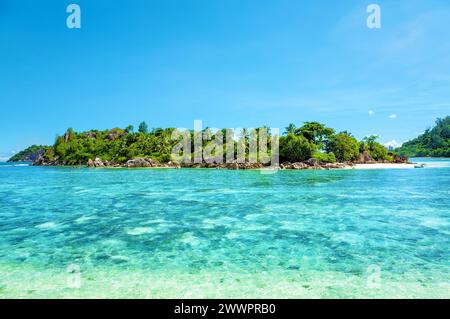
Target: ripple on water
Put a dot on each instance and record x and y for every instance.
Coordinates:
(84, 219)
(47, 225)
(139, 231)
(157, 221)
(120, 258)
(434, 222)
(190, 239)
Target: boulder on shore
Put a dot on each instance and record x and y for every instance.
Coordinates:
(173, 164)
(42, 161)
(364, 158)
(97, 162)
(399, 158)
(246, 165)
(141, 162)
(314, 165)
(299, 165)
(296, 165)
(335, 165)
(312, 162)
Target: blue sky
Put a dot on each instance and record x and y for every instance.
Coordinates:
(230, 63)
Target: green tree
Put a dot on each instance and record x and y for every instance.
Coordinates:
(378, 152)
(290, 129)
(344, 146)
(375, 149)
(295, 148)
(143, 128)
(70, 135)
(325, 157)
(315, 132)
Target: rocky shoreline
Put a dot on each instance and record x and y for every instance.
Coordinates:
(311, 164)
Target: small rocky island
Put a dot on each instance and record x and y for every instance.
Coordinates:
(30, 154)
(312, 146)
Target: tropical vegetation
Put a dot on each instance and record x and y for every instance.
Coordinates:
(311, 140)
(29, 154)
(434, 142)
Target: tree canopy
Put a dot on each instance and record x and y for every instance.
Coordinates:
(143, 128)
(375, 149)
(295, 148)
(310, 140)
(29, 154)
(344, 146)
(434, 142)
(315, 132)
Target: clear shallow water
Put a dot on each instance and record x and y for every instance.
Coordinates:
(216, 233)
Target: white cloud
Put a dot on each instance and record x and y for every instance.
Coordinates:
(393, 116)
(371, 112)
(392, 144)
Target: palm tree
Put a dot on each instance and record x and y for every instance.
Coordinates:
(290, 129)
(143, 128)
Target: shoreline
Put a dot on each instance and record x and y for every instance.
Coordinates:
(385, 166)
(249, 166)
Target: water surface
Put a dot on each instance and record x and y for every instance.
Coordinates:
(160, 233)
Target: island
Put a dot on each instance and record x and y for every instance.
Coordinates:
(312, 145)
(30, 154)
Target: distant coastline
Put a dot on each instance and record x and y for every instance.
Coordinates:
(434, 142)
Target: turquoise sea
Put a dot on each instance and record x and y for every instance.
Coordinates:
(162, 233)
